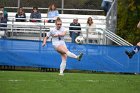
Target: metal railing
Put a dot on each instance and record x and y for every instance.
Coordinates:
(101, 34)
(105, 35)
(62, 9)
(115, 38)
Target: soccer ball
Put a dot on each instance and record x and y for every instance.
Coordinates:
(79, 40)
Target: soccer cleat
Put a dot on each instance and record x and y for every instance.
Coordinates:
(129, 54)
(80, 56)
(61, 74)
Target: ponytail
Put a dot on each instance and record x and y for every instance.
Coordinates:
(58, 19)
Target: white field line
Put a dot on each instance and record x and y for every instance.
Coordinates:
(93, 81)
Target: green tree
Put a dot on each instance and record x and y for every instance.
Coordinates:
(128, 18)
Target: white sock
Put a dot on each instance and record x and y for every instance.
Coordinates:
(62, 66)
(136, 50)
(70, 54)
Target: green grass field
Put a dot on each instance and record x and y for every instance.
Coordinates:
(51, 82)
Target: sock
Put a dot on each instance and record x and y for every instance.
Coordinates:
(70, 54)
(62, 66)
(136, 49)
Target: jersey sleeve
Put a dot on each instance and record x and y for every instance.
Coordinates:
(48, 34)
(51, 32)
(64, 29)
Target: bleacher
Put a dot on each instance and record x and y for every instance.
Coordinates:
(36, 27)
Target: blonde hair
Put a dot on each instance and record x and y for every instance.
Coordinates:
(58, 19)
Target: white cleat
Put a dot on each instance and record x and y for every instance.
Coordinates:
(61, 74)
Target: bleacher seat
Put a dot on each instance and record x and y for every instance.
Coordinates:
(98, 20)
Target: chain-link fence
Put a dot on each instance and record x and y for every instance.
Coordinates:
(64, 6)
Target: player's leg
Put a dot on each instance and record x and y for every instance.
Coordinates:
(137, 48)
(63, 63)
(134, 51)
(62, 49)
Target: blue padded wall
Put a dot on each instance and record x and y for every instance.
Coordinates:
(96, 57)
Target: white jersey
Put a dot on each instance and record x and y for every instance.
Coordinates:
(56, 41)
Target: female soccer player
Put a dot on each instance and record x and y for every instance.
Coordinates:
(58, 33)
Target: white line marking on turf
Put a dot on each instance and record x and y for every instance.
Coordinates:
(15, 80)
(12, 80)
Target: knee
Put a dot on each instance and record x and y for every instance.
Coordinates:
(65, 58)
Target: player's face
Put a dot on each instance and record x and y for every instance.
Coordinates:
(58, 24)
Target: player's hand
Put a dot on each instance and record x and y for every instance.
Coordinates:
(43, 44)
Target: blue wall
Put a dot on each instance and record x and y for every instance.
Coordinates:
(96, 57)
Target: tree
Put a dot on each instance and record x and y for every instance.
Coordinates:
(128, 18)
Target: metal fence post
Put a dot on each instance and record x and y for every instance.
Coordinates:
(12, 27)
(40, 33)
(62, 6)
(18, 3)
(87, 36)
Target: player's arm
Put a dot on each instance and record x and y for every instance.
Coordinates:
(63, 33)
(45, 39)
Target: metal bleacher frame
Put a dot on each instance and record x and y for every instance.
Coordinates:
(16, 28)
(105, 27)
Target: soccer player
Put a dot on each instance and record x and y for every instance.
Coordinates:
(58, 33)
(134, 51)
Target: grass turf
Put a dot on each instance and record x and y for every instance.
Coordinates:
(51, 82)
